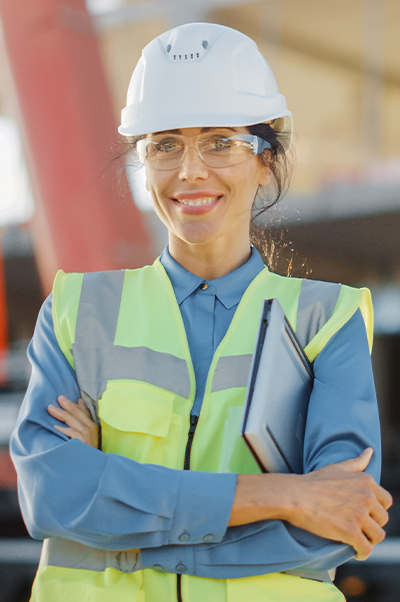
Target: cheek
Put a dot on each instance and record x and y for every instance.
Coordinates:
(152, 180)
(157, 183)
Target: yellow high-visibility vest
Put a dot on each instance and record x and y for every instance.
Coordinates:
(124, 335)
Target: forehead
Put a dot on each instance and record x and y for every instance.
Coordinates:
(193, 132)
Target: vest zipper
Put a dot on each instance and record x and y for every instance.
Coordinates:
(186, 466)
(193, 424)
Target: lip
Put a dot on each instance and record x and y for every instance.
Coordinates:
(195, 195)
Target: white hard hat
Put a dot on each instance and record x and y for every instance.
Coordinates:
(203, 75)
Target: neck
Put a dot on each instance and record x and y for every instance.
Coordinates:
(209, 261)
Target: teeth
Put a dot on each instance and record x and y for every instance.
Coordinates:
(197, 202)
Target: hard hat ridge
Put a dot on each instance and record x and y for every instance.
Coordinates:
(203, 75)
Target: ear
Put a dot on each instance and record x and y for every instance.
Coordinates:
(265, 170)
(266, 176)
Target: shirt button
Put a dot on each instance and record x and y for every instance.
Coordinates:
(208, 537)
(181, 567)
(158, 566)
(184, 537)
(204, 286)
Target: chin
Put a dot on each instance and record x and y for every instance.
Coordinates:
(198, 235)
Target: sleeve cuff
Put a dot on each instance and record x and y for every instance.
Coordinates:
(204, 507)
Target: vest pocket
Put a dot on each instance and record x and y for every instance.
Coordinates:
(137, 421)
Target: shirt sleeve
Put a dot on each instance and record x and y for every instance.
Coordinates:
(71, 490)
(342, 421)
(107, 501)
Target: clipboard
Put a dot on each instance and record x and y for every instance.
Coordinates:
(278, 393)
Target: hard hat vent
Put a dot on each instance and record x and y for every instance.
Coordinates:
(186, 57)
(185, 46)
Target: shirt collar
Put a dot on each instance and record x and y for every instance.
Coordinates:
(184, 283)
(229, 288)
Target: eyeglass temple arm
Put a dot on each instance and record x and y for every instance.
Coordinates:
(259, 145)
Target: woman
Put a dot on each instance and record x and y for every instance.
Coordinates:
(172, 506)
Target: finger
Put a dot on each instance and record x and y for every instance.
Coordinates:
(62, 398)
(84, 407)
(362, 555)
(379, 515)
(362, 546)
(358, 464)
(76, 422)
(71, 433)
(58, 413)
(373, 532)
(76, 410)
(384, 497)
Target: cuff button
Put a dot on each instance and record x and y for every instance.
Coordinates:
(181, 568)
(208, 537)
(184, 537)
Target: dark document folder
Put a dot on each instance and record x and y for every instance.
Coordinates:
(278, 393)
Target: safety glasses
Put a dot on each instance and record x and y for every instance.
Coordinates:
(167, 151)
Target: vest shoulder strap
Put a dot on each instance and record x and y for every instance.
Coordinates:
(66, 296)
(324, 307)
(86, 312)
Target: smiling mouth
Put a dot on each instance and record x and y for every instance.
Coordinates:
(197, 202)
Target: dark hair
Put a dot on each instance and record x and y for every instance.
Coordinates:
(266, 241)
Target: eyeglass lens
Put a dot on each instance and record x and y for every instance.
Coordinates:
(215, 151)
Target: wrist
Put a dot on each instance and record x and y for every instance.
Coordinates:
(262, 497)
(292, 506)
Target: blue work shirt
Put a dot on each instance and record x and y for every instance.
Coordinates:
(207, 308)
(107, 501)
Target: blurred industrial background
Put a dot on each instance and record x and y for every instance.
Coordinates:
(66, 201)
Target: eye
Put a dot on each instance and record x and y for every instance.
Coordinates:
(165, 146)
(218, 143)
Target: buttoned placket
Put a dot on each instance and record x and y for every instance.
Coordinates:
(203, 331)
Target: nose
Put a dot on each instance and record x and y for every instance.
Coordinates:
(192, 167)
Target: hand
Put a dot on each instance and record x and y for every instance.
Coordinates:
(78, 420)
(343, 503)
(339, 502)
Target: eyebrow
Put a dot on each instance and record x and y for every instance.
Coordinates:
(203, 130)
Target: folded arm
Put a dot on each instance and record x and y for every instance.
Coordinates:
(77, 485)
(72, 490)
(341, 503)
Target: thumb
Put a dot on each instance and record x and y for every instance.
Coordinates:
(358, 464)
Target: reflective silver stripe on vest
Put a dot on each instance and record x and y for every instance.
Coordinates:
(317, 301)
(323, 576)
(68, 554)
(98, 360)
(231, 371)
